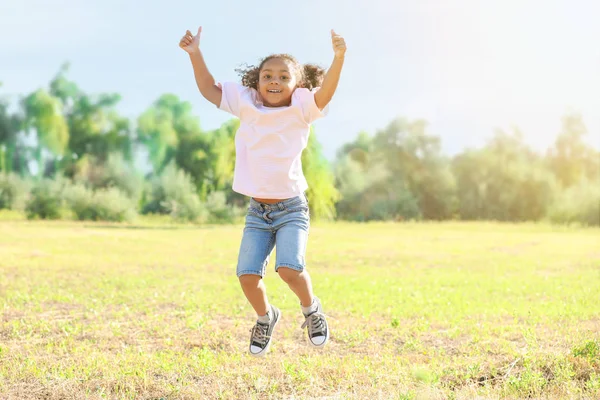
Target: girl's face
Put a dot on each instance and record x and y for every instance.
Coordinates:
(277, 82)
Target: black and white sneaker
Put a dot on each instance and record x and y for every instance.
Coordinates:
(318, 332)
(260, 339)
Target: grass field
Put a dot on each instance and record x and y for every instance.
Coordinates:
(432, 311)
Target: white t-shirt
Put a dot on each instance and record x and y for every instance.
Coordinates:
(269, 141)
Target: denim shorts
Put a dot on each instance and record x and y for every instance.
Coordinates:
(284, 225)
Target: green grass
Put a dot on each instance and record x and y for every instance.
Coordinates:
(417, 310)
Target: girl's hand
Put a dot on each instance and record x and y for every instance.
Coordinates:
(190, 43)
(339, 45)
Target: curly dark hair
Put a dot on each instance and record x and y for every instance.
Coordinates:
(308, 76)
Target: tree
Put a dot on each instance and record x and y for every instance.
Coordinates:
(504, 181)
(321, 192)
(166, 123)
(414, 157)
(570, 159)
(11, 151)
(368, 187)
(358, 150)
(43, 113)
(96, 130)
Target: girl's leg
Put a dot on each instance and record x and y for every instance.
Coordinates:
(255, 250)
(299, 282)
(257, 243)
(256, 293)
(292, 239)
(268, 315)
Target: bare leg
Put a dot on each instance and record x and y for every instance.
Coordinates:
(299, 282)
(256, 293)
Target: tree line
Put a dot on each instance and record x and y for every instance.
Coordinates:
(65, 153)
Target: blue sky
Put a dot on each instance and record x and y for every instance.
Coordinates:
(467, 66)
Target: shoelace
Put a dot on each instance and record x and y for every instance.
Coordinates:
(315, 323)
(259, 333)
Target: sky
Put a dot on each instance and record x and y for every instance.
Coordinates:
(468, 67)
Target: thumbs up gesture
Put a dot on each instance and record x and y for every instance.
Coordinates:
(189, 42)
(339, 45)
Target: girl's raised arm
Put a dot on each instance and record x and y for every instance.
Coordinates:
(204, 79)
(325, 93)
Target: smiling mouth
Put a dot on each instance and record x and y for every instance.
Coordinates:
(274, 91)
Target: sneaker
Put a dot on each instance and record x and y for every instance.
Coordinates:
(260, 340)
(318, 333)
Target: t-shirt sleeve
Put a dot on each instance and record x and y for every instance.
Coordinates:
(305, 99)
(231, 98)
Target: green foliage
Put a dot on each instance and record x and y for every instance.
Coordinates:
(115, 172)
(359, 149)
(504, 181)
(530, 383)
(223, 155)
(44, 113)
(46, 201)
(571, 159)
(81, 201)
(112, 205)
(321, 193)
(399, 173)
(219, 210)
(11, 154)
(100, 205)
(372, 194)
(161, 128)
(414, 156)
(95, 127)
(174, 193)
(589, 349)
(209, 158)
(351, 182)
(14, 191)
(578, 204)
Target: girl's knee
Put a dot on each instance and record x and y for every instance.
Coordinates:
(249, 280)
(288, 274)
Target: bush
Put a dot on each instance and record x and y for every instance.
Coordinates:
(174, 193)
(373, 195)
(491, 188)
(113, 205)
(46, 199)
(14, 192)
(102, 205)
(322, 193)
(119, 174)
(219, 210)
(578, 204)
(81, 201)
(115, 172)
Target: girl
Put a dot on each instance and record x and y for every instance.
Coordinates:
(276, 103)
